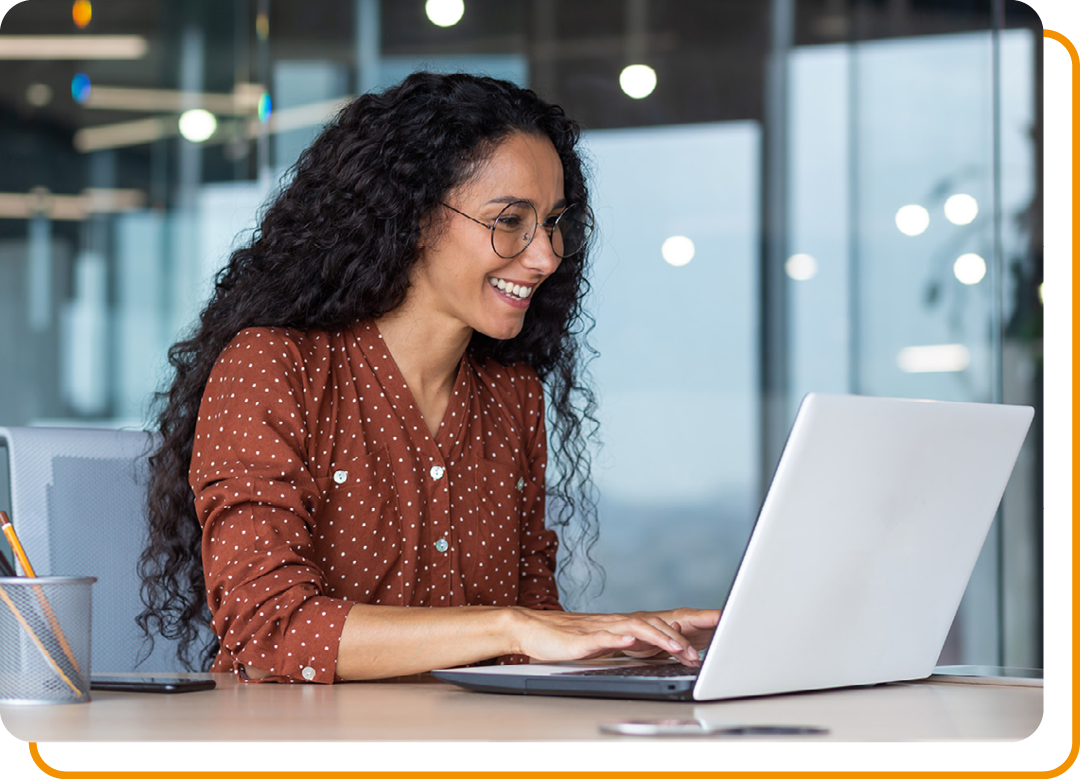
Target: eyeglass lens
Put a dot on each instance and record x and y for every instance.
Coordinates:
(516, 226)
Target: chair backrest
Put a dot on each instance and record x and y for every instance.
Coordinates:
(78, 505)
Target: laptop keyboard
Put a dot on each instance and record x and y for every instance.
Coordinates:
(668, 669)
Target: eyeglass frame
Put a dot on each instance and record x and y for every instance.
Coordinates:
(549, 228)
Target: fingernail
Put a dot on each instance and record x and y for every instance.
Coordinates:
(675, 645)
(693, 653)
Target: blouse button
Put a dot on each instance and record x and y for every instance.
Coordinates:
(340, 477)
(437, 472)
(309, 673)
(441, 545)
(520, 485)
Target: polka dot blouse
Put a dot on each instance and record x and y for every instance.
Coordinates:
(318, 485)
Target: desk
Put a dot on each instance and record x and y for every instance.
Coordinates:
(425, 709)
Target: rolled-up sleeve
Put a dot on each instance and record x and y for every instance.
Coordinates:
(256, 500)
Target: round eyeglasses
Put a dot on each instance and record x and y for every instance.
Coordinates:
(515, 227)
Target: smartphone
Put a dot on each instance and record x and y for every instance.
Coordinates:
(149, 684)
(693, 727)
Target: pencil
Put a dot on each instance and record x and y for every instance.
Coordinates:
(48, 655)
(28, 570)
(16, 547)
(6, 568)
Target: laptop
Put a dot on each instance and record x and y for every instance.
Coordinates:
(856, 565)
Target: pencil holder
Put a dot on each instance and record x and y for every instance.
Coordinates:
(45, 639)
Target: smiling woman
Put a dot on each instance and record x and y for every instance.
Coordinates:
(353, 468)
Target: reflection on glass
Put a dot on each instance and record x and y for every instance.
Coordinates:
(80, 87)
(912, 220)
(677, 250)
(81, 12)
(801, 267)
(969, 268)
(961, 209)
(942, 358)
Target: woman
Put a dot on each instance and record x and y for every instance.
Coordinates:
(360, 414)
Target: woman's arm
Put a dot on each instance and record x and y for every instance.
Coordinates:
(381, 641)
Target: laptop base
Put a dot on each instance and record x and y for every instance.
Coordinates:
(577, 687)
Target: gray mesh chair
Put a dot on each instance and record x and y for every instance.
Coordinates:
(77, 503)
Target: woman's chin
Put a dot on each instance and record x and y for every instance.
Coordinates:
(502, 331)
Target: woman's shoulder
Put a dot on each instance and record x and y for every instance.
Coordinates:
(282, 345)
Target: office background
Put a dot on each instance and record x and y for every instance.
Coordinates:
(792, 195)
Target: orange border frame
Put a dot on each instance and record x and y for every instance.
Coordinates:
(1062, 64)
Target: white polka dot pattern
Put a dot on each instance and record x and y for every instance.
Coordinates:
(313, 473)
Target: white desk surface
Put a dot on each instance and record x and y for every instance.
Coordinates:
(423, 708)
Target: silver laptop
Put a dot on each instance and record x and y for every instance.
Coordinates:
(855, 569)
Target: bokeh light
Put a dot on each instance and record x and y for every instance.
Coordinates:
(81, 13)
(801, 267)
(961, 209)
(265, 107)
(197, 125)
(912, 220)
(969, 268)
(939, 358)
(80, 87)
(637, 81)
(262, 26)
(444, 13)
(39, 95)
(677, 250)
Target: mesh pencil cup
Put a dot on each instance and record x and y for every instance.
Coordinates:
(45, 639)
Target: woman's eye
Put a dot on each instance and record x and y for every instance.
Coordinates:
(510, 222)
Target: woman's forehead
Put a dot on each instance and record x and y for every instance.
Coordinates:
(523, 166)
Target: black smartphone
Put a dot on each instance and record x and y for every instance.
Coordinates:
(149, 684)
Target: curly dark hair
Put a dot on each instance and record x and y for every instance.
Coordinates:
(336, 247)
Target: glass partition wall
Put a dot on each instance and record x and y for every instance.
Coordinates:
(795, 195)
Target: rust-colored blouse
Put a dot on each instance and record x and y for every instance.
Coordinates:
(318, 485)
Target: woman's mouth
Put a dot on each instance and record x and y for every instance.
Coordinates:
(511, 290)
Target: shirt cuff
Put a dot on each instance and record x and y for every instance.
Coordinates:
(305, 650)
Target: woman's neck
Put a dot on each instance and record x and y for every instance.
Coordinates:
(427, 351)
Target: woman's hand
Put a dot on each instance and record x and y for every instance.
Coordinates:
(551, 636)
(695, 625)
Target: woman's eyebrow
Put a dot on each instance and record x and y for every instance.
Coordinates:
(507, 199)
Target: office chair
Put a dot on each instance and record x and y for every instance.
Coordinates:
(77, 504)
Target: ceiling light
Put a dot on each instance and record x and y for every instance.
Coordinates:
(115, 136)
(20, 205)
(72, 47)
(444, 13)
(637, 81)
(197, 125)
(239, 102)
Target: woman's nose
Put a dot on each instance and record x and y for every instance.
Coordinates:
(540, 254)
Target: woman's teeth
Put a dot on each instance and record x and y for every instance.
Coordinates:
(516, 290)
